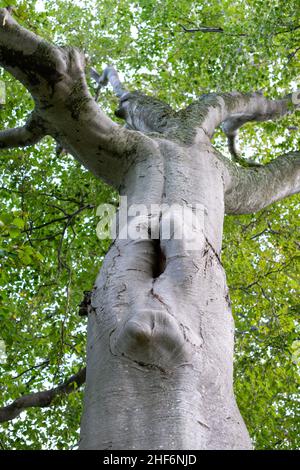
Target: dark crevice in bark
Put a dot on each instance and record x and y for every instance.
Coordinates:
(159, 264)
(85, 307)
(208, 248)
(147, 365)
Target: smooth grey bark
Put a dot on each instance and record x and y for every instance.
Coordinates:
(160, 334)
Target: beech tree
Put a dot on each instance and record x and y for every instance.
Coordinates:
(160, 336)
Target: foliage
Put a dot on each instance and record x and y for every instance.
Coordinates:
(49, 252)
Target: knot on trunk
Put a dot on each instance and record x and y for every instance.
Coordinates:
(152, 338)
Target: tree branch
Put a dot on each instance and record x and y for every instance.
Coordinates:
(28, 57)
(251, 189)
(42, 399)
(29, 134)
(42, 364)
(230, 127)
(202, 29)
(109, 75)
(215, 29)
(55, 76)
(141, 112)
(262, 111)
(232, 110)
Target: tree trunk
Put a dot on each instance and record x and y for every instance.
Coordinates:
(160, 344)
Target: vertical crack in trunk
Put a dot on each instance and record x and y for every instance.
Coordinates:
(159, 264)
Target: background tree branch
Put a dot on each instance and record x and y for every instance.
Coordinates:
(42, 399)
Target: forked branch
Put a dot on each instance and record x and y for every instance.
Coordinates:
(232, 111)
(55, 77)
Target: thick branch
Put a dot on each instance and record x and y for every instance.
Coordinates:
(232, 110)
(251, 189)
(141, 112)
(29, 134)
(28, 57)
(42, 399)
(55, 77)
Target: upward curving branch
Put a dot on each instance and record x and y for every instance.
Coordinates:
(232, 110)
(141, 112)
(252, 189)
(55, 77)
(42, 399)
(32, 60)
(109, 75)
